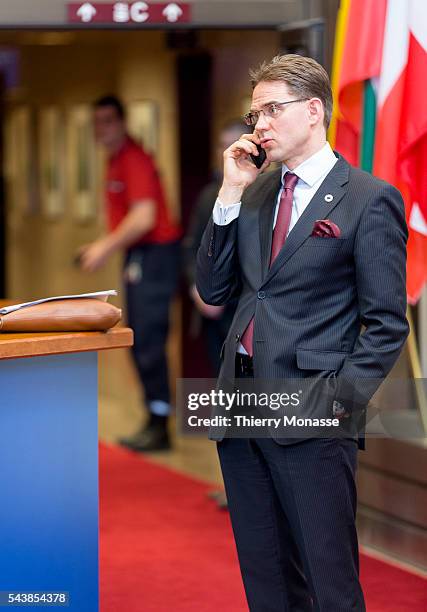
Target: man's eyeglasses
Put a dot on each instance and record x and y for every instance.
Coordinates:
(271, 111)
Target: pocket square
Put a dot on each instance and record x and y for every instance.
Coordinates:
(323, 228)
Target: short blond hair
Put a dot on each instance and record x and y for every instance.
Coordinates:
(303, 75)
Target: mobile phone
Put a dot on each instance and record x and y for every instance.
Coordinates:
(260, 158)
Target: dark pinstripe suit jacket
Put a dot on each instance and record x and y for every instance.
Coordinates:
(309, 306)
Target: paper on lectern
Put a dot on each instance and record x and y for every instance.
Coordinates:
(99, 295)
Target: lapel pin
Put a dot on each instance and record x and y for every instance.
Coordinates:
(329, 197)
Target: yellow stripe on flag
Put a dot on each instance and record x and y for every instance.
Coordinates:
(340, 35)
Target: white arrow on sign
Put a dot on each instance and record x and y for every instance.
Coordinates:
(172, 12)
(86, 12)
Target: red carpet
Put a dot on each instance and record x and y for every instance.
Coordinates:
(164, 547)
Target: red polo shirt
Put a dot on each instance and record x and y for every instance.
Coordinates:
(132, 177)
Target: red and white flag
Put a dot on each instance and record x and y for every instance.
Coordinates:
(381, 50)
(412, 155)
(401, 132)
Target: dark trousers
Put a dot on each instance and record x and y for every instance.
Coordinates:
(293, 511)
(151, 275)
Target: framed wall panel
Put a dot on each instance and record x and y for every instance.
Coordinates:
(52, 161)
(82, 163)
(143, 124)
(21, 160)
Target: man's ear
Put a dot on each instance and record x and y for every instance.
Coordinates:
(315, 111)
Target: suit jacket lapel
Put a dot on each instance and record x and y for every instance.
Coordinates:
(318, 208)
(266, 218)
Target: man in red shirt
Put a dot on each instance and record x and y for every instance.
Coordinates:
(140, 225)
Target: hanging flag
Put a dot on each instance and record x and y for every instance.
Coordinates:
(357, 60)
(412, 154)
(380, 116)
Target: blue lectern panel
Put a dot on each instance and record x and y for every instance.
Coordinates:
(49, 478)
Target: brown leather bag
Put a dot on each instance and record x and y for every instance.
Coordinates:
(77, 314)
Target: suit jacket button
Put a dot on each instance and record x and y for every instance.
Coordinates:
(261, 295)
(237, 337)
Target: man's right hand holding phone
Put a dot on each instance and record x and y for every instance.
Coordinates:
(240, 170)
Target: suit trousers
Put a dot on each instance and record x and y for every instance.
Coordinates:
(151, 275)
(293, 510)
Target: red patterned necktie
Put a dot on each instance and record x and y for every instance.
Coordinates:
(279, 236)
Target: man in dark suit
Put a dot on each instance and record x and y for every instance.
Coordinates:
(313, 251)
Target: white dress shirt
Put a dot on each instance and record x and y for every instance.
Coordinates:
(311, 174)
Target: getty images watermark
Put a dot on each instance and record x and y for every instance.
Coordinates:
(299, 408)
(250, 400)
(250, 409)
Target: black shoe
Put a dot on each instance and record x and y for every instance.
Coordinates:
(214, 494)
(151, 438)
(219, 497)
(221, 501)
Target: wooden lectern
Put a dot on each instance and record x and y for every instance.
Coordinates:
(49, 464)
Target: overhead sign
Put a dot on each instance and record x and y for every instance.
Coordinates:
(128, 13)
(84, 14)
